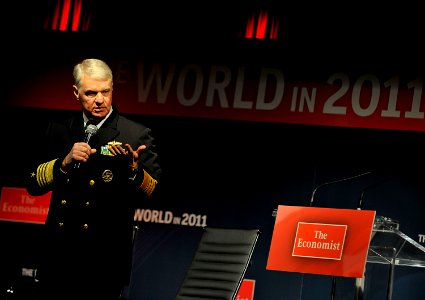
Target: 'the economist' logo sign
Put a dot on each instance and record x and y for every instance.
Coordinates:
(16, 205)
(318, 240)
(246, 290)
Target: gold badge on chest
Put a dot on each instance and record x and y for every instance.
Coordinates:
(107, 175)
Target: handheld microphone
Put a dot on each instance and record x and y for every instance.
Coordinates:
(90, 131)
(335, 181)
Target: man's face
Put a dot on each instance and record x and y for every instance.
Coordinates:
(95, 97)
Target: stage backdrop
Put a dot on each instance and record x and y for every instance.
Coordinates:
(235, 174)
(241, 128)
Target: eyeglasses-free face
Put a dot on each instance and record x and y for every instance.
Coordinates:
(95, 97)
(94, 94)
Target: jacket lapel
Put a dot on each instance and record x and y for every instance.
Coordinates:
(108, 132)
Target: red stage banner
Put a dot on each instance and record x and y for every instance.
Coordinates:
(17, 205)
(327, 241)
(261, 94)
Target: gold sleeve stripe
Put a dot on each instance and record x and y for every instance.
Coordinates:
(45, 173)
(148, 184)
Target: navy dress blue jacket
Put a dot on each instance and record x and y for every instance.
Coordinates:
(89, 227)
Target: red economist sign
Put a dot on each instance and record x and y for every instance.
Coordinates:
(17, 205)
(319, 240)
(246, 290)
(325, 241)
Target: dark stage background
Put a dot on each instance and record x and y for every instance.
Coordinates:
(233, 173)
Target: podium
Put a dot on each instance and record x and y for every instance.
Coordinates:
(320, 240)
(368, 243)
(391, 247)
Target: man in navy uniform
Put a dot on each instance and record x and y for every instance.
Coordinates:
(99, 166)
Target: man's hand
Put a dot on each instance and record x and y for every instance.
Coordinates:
(80, 152)
(132, 155)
